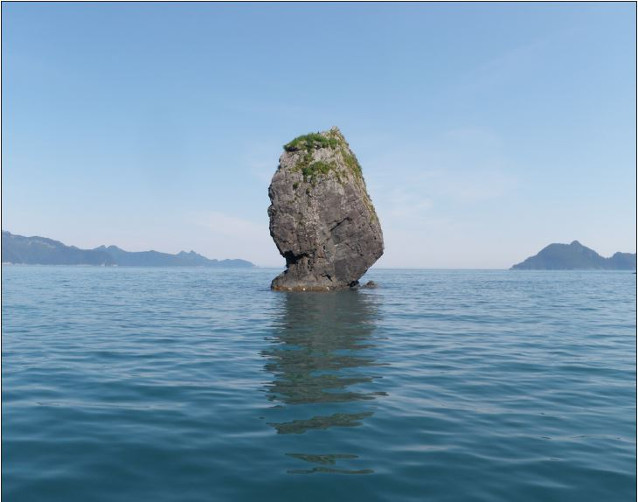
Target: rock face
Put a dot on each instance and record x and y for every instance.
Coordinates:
(321, 216)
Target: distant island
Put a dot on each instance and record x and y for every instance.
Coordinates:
(17, 249)
(575, 256)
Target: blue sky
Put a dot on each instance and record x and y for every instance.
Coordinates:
(485, 131)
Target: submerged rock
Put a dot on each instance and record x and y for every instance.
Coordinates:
(321, 216)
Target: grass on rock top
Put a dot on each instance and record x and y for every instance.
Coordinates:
(334, 140)
(312, 141)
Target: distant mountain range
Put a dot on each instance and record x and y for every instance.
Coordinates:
(43, 251)
(575, 256)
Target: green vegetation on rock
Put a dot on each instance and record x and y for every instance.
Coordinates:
(306, 144)
(313, 170)
(312, 141)
(351, 161)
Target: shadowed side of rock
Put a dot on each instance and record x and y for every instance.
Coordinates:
(321, 216)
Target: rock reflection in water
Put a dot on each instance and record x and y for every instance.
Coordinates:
(322, 359)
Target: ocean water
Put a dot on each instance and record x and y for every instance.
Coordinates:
(130, 384)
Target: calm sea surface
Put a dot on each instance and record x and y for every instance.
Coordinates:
(129, 384)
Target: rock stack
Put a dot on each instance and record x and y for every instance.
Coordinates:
(321, 216)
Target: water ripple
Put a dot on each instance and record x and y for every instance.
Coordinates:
(199, 385)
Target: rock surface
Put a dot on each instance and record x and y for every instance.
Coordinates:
(321, 216)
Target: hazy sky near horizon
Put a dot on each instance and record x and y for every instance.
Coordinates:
(485, 130)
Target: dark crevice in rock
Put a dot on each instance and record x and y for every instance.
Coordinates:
(291, 258)
(339, 224)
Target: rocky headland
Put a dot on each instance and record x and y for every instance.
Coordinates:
(575, 256)
(321, 216)
(17, 249)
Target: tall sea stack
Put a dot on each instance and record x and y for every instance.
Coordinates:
(321, 216)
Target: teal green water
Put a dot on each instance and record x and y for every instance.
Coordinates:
(203, 385)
